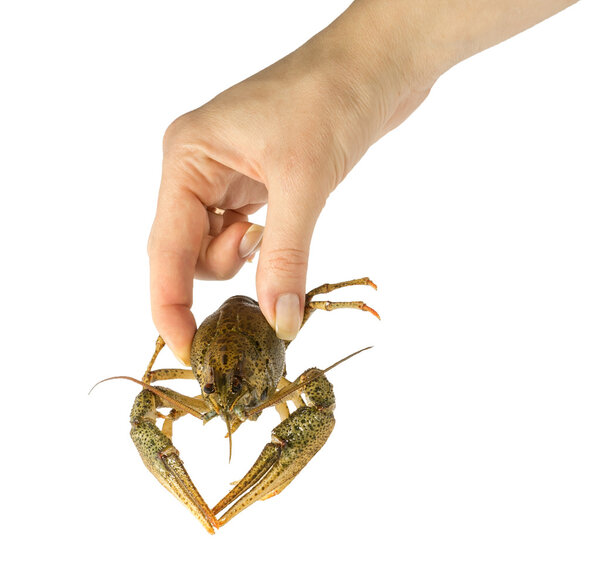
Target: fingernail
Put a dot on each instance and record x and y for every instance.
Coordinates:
(182, 357)
(250, 241)
(181, 360)
(287, 316)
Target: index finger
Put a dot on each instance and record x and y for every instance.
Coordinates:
(178, 233)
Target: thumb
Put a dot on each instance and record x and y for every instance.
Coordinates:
(283, 262)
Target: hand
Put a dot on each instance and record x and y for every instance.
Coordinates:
(287, 137)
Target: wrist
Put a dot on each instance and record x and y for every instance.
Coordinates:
(368, 62)
(394, 41)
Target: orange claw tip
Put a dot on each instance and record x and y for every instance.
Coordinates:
(370, 283)
(221, 521)
(210, 524)
(206, 517)
(371, 310)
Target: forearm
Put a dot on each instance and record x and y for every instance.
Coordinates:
(387, 54)
(424, 38)
(450, 31)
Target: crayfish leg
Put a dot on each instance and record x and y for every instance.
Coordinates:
(310, 305)
(329, 287)
(162, 459)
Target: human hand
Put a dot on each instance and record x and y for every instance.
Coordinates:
(287, 137)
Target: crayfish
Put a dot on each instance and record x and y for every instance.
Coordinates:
(239, 363)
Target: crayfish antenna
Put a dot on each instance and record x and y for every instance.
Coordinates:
(347, 357)
(227, 422)
(296, 385)
(117, 377)
(156, 391)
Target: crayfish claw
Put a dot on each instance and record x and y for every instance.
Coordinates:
(162, 459)
(295, 441)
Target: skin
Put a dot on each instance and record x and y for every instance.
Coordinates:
(288, 135)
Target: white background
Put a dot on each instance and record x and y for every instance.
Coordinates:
(467, 440)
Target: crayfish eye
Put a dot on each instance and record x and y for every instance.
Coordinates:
(209, 388)
(236, 384)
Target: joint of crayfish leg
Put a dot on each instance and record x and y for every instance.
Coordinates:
(208, 416)
(278, 441)
(168, 452)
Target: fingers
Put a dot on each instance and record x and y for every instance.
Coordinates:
(177, 234)
(281, 275)
(180, 249)
(224, 255)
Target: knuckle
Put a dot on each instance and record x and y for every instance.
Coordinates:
(175, 130)
(185, 130)
(152, 245)
(289, 261)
